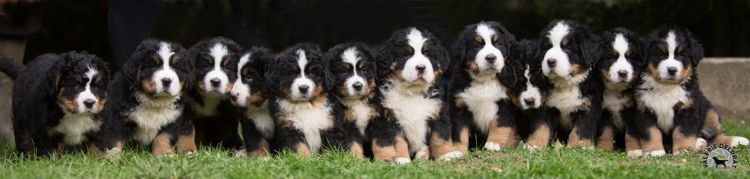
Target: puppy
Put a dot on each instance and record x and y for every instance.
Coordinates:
(148, 101)
(354, 71)
(619, 67)
(410, 65)
(249, 93)
(671, 106)
(298, 80)
(56, 99)
(528, 91)
(214, 62)
(575, 94)
(478, 100)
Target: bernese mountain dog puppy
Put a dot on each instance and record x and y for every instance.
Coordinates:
(410, 65)
(147, 101)
(299, 80)
(527, 92)
(214, 69)
(477, 97)
(56, 100)
(354, 71)
(672, 108)
(619, 67)
(575, 95)
(249, 93)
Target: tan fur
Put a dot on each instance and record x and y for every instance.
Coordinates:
(402, 147)
(383, 153)
(682, 142)
(463, 141)
(540, 137)
(654, 142)
(576, 141)
(302, 149)
(161, 145)
(356, 150)
(186, 143)
(576, 69)
(686, 72)
(69, 104)
(713, 123)
(606, 140)
(653, 71)
(605, 74)
(262, 150)
(631, 143)
(148, 86)
(439, 146)
(505, 136)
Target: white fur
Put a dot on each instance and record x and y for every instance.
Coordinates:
(480, 98)
(74, 127)
(217, 52)
(700, 143)
(451, 155)
(621, 46)
(491, 146)
(634, 153)
(262, 119)
(362, 112)
(484, 31)
(556, 36)
(402, 160)
(531, 92)
(567, 99)
(87, 94)
(655, 153)
(166, 72)
(423, 153)
(240, 89)
(310, 120)
(410, 73)
(670, 61)
(302, 79)
(737, 140)
(412, 110)
(615, 102)
(661, 99)
(351, 56)
(151, 115)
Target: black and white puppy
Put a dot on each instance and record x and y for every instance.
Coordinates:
(672, 108)
(214, 61)
(575, 94)
(55, 100)
(410, 65)
(619, 67)
(147, 101)
(250, 93)
(478, 100)
(528, 91)
(298, 80)
(354, 71)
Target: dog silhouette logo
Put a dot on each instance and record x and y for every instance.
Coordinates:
(719, 156)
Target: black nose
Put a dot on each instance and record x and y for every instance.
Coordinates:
(622, 74)
(357, 86)
(552, 62)
(166, 81)
(490, 58)
(529, 101)
(672, 70)
(420, 68)
(303, 89)
(89, 103)
(215, 82)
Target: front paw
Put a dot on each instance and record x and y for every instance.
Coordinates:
(655, 153)
(423, 154)
(737, 140)
(635, 153)
(491, 146)
(451, 155)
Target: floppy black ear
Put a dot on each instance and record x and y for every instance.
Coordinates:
(695, 49)
(591, 49)
(384, 56)
(458, 50)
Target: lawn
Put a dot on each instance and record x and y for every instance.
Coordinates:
(558, 162)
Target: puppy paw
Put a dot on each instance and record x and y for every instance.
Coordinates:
(530, 148)
(491, 146)
(240, 153)
(737, 140)
(451, 155)
(700, 143)
(634, 153)
(423, 154)
(656, 153)
(402, 160)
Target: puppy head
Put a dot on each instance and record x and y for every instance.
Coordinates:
(82, 83)
(412, 56)
(672, 54)
(621, 58)
(249, 86)
(483, 48)
(354, 70)
(528, 86)
(158, 69)
(214, 61)
(299, 74)
(570, 51)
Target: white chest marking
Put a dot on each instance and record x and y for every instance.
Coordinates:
(151, 116)
(480, 98)
(412, 110)
(615, 103)
(74, 127)
(567, 99)
(661, 100)
(261, 118)
(310, 120)
(362, 113)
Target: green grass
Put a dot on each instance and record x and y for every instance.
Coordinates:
(558, 162)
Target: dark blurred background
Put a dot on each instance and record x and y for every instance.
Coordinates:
(723, 26)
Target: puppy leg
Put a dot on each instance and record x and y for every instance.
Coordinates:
(356, 149)
(653, 146)
(540, 136)
(402, 150)
(606, 139)
(712, 127)
(186, 143)
(632, 145)
(384, 150)
(682, 141)
(162, 145)
(499, 136)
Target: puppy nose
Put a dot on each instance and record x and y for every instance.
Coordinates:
(420, 68)
(552, 62)
(529, 101)
(622, 74)
(490, 58)
(215, 82)
(303, 88)
(166, 81)
(672, 70)
(357, 86)
(89, 103)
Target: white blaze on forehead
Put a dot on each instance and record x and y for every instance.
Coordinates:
(557, 34)
(416, 40)
(484, 31)
(165, 52)
(670, 61)
(409, 73)
(166, 72)
(301, 61)
(351, 56)
(671, 43)
(302, 79)
(555, 37)
(240, 90)
(620, 45)
(218, 51)
(86, 94)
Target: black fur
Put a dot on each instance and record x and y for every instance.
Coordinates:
(530, 118)
(252, 75)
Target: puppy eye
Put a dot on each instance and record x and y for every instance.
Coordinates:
(565, 42)
(173, 60)
(495, 38)
(225, 61)
(663, 48)
(479, 39)
(313, 70)
(347, 67)
(98, 80)
(409, 49)
(426, 48)
(614, 53)
(156, 59)
(680, 48)
(245, 71)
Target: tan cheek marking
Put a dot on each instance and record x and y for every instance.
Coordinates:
(652, 71)
(654, 142)
(255, 97)
(605, 74)
(69, 104)
(540, 137)
(100, 104)
(356, 150)
(686, 72)
(228, 87)
(516, 100)
(503, 135)
(605, 141)
(472, 66)
(576, 69)
(161, 145)
(148, 86)
(186, 143)
(682, 142)
(383, 153)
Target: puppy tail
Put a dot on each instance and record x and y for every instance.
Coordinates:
(10, 67)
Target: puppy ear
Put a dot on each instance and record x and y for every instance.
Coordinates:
(384, 57)
(458, 50)
(694, 49)
(591, 49)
